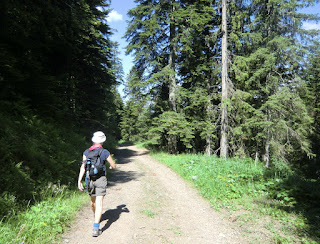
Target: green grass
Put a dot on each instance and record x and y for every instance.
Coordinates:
(34, 151)
(249, 192)
(148, 213)
(217, 179)
(43, 222)
(141, 145)
(39, 155)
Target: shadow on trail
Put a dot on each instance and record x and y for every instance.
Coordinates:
(119, 177)
(124, 156)
(112, 215)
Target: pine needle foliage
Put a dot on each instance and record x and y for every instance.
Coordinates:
(268, 60)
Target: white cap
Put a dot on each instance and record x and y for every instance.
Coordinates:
(98, 137)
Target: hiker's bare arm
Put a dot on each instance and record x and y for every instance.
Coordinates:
(81, 174)
(111, 162)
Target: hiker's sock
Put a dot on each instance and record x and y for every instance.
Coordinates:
(96, 232)
(96, 225)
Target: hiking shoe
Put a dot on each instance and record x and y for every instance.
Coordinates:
(96, 232)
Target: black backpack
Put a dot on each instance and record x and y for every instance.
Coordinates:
(94, 165)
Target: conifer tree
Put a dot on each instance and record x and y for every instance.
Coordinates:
(266, 51)
(273, 63)
(59, 54)
(151, 35)
(314, 101)
(198, 69)
(224, 82)
(116, 63)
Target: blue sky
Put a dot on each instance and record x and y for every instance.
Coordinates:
(118, 18)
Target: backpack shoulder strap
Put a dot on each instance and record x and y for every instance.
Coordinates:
(96, 152)
(100, 151)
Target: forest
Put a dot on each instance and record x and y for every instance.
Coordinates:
(58, 85)
(235, 79)
(272, 97)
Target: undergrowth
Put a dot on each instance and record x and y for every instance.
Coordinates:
(45, 221)
(34, 152)
(248, 192)
(40, 160)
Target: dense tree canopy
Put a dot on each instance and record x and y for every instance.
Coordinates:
(58, 75)
(269, 57)
(59, 56)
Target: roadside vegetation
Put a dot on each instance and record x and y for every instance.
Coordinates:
(46, 220)
(276, 204)
(39, 170)
(52, 79)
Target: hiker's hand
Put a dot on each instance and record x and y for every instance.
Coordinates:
(111, 162)
(80, 186)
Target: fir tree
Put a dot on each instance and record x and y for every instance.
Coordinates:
(313, 100)
(272, 64)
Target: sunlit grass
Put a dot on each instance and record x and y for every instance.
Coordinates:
(217, 179)
(245, 190)
(43, 222)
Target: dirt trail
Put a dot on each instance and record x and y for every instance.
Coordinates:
(148, 203)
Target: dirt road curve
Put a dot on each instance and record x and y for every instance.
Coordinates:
(147, 203)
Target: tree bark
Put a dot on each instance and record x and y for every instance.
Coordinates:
(266, 156)
(209, 111)
(208, 144)
(224, 84)
(172, 142)
(172, 78)
(256, 158)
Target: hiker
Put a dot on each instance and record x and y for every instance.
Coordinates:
(97, 182)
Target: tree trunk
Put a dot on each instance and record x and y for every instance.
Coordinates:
(266, 156)
(224, 82)
(208, 144)
(210, 112)
(256, 158)
(172, 78)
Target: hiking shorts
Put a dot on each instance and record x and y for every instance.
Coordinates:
(98, 187)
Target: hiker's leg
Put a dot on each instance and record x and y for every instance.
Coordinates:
(99, 206)
(93, 204)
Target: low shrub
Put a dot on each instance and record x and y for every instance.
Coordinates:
(45, 221)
